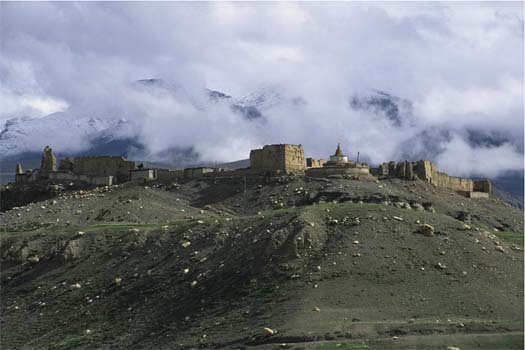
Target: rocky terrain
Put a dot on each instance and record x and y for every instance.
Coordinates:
(261, 263)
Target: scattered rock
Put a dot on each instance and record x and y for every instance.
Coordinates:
(75, 286)
(268, 331)
(499, 248)
(33, 259)
(398, 218)
(426, 230)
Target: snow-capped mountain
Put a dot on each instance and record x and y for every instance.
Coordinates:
(79, 132)
(68, 129)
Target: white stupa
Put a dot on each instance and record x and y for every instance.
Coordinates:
(338, 157)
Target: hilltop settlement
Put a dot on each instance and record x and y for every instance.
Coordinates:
(271, 160)
(288, 253)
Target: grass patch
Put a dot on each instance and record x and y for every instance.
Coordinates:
(342, 346)
(511, 237)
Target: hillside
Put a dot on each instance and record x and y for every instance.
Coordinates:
(323, 263)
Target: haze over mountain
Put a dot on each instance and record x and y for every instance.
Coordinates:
(438, 81)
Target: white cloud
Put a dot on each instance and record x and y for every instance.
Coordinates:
(461, 159)
(460, 63)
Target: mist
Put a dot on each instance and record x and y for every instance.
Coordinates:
(459, 66)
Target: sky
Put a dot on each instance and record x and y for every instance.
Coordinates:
(459, 64)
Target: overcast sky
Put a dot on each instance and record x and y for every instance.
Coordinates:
(460, 64)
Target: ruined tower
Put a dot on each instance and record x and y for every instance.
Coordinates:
(19, 169)
(49, 162)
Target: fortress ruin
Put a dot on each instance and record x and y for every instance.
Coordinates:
(270, 160)
(103, 170)
(427, 171)
(281, 158)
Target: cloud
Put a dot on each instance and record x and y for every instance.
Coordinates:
(464, 160)
(460, 64)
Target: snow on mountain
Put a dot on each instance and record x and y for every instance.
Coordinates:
(67, 131)
(263, 98)
(75, 131)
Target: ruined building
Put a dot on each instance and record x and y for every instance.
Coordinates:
(283, 158)
(270, 160)
(48, 163)
(427, 171)
(92, 170)
(117, 167)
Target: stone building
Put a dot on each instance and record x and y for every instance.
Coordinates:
(314, 163)
(282, 158)
(48, 171)
(118, 167)
(339, 165)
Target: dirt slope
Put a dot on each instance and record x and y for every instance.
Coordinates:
(324, 264)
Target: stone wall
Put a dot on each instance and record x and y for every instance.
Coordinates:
(118, 167)
(192, 173)
(338, 170)
(482, 186)
(93, 180)
(143, 174)
(427, 171)
(169, 175)
(315, 163)
(278, 158)
(456, 183)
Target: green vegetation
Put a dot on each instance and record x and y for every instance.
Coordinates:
(511, 237)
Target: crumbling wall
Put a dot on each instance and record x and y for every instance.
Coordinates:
(482, 186)
(427, 171)
(118, 167)
(423, 169)
(48, 163)
(452, 182)
(143, 174)
(168, 175)
(93, 180)
(294, 158)
(315, 163)
(66, 164)
(286, 158)
(192, 173)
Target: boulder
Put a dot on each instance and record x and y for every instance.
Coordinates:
(426, 230)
